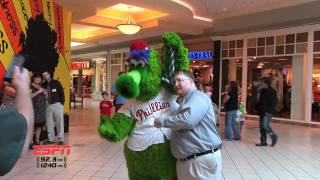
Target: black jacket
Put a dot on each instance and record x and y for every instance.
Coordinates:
(232, 103)
(267, 101)
(56, 92)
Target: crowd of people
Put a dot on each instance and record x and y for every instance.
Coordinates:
(47, 98)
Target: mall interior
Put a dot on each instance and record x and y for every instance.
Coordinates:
(227, 40)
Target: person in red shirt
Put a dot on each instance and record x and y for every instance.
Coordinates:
(105, 105)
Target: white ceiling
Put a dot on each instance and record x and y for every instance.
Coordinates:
(181, 18)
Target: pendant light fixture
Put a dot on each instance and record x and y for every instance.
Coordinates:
(129, 26)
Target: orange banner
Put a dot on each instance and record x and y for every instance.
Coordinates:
(36, 7)
(23, 11)
(11, 23)
(58, 13)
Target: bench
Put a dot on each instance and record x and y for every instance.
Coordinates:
(76, 100)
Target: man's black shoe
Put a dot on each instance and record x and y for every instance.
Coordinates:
(274, 139)
(262, 144)
(60, 143)
(49, 142)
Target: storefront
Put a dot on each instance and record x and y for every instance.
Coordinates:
(291, 57)
(105, 70)
(201, 64)
(81, 77)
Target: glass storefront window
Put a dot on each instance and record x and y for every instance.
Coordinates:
(315, 116)
(280, 69)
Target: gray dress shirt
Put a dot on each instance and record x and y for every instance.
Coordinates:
(194, 125)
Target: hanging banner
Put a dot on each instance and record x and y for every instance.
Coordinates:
(42, 30)
(36, 7)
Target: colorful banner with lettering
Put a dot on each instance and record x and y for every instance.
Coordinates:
(25, 26)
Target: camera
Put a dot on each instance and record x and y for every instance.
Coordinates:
(17, 60)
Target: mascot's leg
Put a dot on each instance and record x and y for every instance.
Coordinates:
(154, 163)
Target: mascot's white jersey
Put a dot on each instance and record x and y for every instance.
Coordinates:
(144, 134)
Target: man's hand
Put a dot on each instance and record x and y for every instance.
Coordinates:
(157, 123)
(20, 79)
(23, 103)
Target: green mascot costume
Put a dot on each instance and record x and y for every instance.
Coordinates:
(148, 86)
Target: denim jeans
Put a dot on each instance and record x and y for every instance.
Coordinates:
(264, 126)
(231, 126)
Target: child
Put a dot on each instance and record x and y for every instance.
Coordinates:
(105, 105)
(241, 116)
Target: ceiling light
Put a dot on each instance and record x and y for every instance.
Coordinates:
(224, 9)
(129, 26)
(76, 44)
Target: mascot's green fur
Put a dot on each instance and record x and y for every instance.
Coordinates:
(149, 86)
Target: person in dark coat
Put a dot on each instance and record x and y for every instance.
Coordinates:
(265, 108)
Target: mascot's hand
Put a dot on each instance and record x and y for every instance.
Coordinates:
(116, 128)
(106, 129)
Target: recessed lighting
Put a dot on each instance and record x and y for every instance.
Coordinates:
(76, 44)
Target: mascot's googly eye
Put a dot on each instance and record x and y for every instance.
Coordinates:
(133, 62)
(141, 64)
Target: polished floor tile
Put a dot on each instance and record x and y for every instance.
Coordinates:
(296, 156)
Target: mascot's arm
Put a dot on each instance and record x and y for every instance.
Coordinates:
(115, 128)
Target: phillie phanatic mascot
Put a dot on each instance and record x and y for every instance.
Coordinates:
(148, 85)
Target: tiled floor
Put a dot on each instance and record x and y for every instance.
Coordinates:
(296, 156)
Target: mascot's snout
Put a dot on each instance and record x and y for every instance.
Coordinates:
(128, 84)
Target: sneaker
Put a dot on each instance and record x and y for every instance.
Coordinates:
(274, 139)
(262, 144)
(60, 143)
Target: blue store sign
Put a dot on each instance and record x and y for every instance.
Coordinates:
(201, 55)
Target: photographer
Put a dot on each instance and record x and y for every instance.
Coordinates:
(16, 123)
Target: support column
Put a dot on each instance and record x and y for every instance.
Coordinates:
(80, 88)
(308, 78)
(216, 72)
(244, 74)
(108, 71)
(298, 102)
(97, 79)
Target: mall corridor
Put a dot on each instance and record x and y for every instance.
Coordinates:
(296, 156)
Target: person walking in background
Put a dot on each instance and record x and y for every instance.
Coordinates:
(105, 105)
(195, 140)
(54, 113)
(39, 101)
(118, 99)
(265, 108)
(230, 100)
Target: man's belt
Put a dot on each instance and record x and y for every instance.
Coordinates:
(199, 154)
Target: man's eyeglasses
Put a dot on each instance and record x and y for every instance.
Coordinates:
(180, 80)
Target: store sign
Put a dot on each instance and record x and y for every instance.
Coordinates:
(201, 55)
(80, 65)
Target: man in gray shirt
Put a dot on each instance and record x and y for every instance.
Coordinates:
(195, 141)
